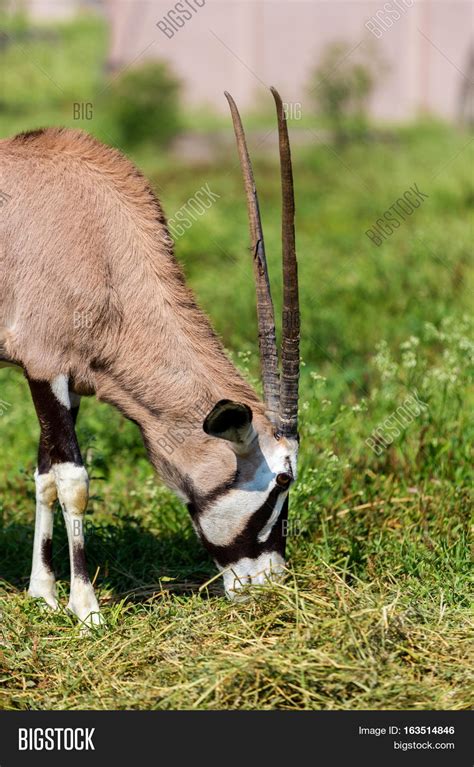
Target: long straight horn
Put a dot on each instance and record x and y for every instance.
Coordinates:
(265, 313)
(290, 347)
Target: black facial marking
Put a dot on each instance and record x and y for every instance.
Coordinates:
(246, 544)
(201, 501)
(74, 414)
(47, 553)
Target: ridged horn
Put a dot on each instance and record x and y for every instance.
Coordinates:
(265, 312)
(290, 347)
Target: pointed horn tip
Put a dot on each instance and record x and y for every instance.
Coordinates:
(275, 94)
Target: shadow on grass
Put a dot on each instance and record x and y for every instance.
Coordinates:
(124, 558)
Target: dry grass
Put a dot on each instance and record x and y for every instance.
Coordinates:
(313, 642)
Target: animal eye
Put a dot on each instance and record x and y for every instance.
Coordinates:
(283, 479)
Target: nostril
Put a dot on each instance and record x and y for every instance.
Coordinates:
(283, 479)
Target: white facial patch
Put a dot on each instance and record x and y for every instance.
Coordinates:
(222, 522)
(266, 568)
(60, 389)
(225, 519)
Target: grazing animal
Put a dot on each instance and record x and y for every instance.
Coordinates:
(83, 236)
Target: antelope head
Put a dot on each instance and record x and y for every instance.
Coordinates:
(243, 522)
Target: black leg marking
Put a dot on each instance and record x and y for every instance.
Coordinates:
(47, 553)
(58, 442)
(79, 562)
(44, 459)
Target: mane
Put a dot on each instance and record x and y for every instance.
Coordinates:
(110, 163)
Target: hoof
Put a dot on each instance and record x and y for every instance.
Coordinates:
(46, 590)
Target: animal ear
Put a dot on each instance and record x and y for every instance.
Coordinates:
(231, 421)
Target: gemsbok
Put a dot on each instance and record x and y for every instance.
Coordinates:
(83, 235)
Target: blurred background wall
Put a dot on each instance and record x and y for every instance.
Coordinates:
(247, 44)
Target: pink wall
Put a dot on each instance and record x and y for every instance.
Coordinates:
(242, 45)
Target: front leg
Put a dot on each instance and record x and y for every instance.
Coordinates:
(42, 580)
(72, 484)
(63, 456)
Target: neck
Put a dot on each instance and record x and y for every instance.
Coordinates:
(166, 373)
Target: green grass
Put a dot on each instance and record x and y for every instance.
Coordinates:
(375, 612)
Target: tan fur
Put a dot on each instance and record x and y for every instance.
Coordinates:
(82, 235)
